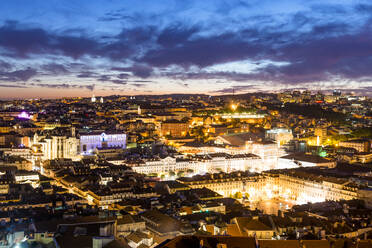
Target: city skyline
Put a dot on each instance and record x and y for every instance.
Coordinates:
(53, 49)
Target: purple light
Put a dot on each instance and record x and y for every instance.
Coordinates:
(24, 115)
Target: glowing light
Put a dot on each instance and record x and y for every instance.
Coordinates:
(233, 107)
(242, 116)
(24, 115)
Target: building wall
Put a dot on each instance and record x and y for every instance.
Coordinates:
(90, 142)
(176, 129)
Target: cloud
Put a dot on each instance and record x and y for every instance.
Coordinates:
(139, 70)
(23, 41)
(236, 89)
(320, 42)
(18, 75)
(55, 69)
(203, 51)
(64, 86)
(12, 86)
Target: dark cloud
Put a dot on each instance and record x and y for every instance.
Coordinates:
(123, 75)
(64, 86)
(18, 75)
(86, 74)
(4, 66)
(22, 41)
(175, 35)
(302, 49)
(204, 51)
(364, 8)
(139, 70)
(55, 69)
(118, 81)
(142, 81)
(236, 89)
(139, 85)
(12, 86)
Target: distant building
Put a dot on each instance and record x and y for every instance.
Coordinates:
(361, 145)
(174, 128)
(320, 132)
(56, 146)
(90, 141)
(279, 135)
(304, 160)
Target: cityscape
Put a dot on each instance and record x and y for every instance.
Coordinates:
(181, 124)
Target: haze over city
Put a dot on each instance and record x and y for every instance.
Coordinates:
(76, 48)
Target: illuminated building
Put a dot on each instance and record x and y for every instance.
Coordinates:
(227, 184)
(28, 177)
(321, 134)
(56, 146)
(304, 160)
(303, 186)
(279, 135)
(268, 151)
(24, 115)
(90, 141)
(360, 145)
(174, 128)
(199, 164)
(363, 157)
(93, 99)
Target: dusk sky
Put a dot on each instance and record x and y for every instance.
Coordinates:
(61, 48)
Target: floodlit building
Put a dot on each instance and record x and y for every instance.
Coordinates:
(304, 160)
(279, 135)
(56, 146)
(199, 164)
(174, 128)
(361, 145)
(90, 141)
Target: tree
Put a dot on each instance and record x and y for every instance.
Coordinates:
(198, 133)
(238, 195)
(172, 173)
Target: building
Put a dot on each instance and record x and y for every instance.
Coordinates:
(320, 132)
(91, 141)
(304, 160)
(199, 164)
(54, 146)
(252, 227)
(174, 128)
(361, 145)
(279, 135)
(226, 184)
(129, 223)
(304, 185)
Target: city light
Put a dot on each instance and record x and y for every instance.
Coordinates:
(233, 106)
(185, 124)
(24, 115)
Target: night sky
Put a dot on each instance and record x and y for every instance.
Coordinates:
(57, 48)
